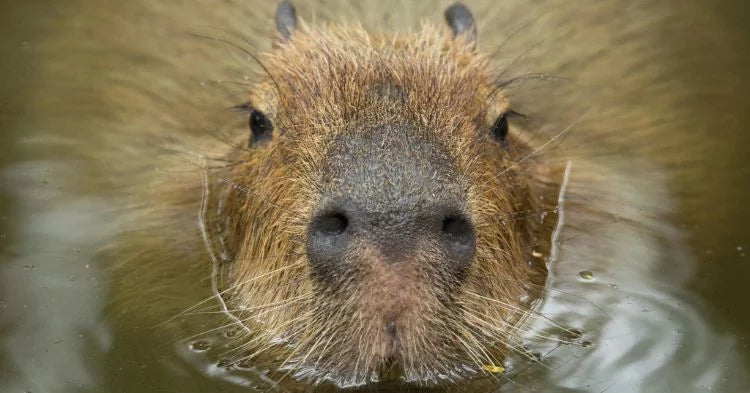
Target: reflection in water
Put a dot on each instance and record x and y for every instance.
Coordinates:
(643, 329)
(647, 334)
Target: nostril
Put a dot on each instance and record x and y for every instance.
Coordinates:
(458, 230)
(331, 224)
(327, 244)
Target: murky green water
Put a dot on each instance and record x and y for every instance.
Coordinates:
(663, 304)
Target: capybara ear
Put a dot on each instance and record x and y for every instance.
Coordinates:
(286, 20)
(461, 22)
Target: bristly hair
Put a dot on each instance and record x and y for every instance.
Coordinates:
(323, 83)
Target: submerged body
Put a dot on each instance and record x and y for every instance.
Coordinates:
(382, 223)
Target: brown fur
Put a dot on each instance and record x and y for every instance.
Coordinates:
(320, 85)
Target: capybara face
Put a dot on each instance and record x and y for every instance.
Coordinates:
(379, 217)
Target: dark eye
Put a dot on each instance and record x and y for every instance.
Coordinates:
(260, 127)
(499, 129)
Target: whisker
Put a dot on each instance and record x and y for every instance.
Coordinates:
(489, 325)
(514, 308)
(506, 340)
(215, 329)
(532, 363)
(515, 60)
(243, 50)
(491, 359)
(264, 309)
(545, 76)
(543, 289)
(251, 309)
(264, 336)
(245, 282)
(538, 149)
(513, 33)
(230, 82)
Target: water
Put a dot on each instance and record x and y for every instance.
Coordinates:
(657, 286)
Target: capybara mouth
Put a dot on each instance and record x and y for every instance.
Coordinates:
(394, 345)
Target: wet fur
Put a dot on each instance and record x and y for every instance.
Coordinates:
(322, 85)
(149, 98)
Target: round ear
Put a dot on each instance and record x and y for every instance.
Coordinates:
(286, 19)
(461, 21)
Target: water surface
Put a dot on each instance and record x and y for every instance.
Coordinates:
(657, 288)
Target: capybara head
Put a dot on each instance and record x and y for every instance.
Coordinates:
(379, 218)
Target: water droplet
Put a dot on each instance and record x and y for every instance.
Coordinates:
(586, 275)
(224, 363)
(586, 344)
(200, 346)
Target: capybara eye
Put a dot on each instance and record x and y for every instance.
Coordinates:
(260, 127)
(500, 128)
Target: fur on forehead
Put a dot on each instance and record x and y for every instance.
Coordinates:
(337, 76)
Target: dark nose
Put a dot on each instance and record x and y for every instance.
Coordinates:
(395, 234)
(400, 198)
